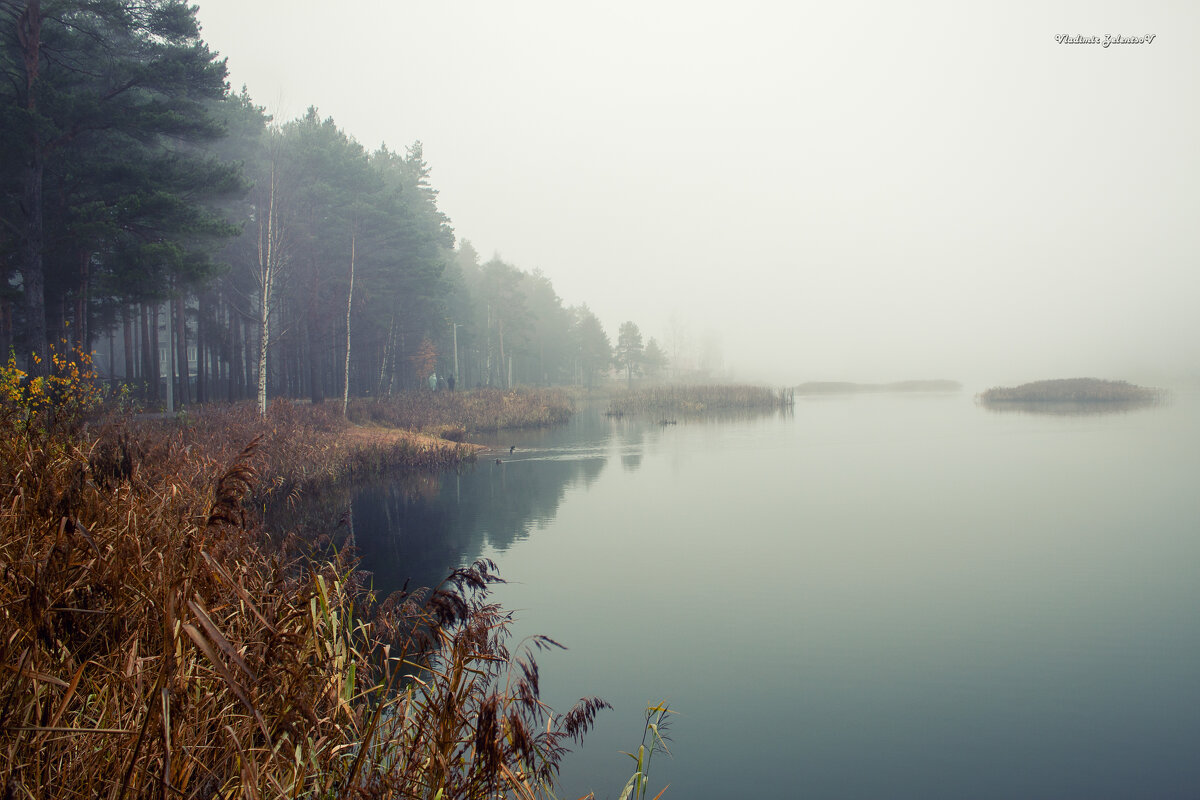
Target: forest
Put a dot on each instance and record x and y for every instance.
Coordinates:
(204, 251)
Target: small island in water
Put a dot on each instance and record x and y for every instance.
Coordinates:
(1072, 390)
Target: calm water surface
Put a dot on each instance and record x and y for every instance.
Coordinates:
(878, 596)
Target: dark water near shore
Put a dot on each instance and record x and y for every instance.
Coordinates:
(899, 596)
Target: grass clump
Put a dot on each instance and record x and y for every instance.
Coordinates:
(696, 400)
(155, 643)
(1071, 390)
(305, 448)
(478, 410)
(654, 739)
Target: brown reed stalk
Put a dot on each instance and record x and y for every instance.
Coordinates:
(684, 400)
(155, 643)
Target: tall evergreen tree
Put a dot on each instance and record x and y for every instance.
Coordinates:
(654, 359)
(592, 345)
(628, 354)
(83, 79)
(507, 313)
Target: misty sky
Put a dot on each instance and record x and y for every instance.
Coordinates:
(839, 191)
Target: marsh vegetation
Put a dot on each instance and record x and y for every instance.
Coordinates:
(670, 401)
(1072, 390)
(157, 643)
(479, 410)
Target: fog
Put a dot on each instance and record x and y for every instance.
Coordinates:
(859, 191)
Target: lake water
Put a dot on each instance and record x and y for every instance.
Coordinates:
(876, 596)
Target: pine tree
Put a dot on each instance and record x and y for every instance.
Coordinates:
(83, 81)
(628, 354)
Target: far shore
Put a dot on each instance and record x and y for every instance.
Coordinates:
(848, 387)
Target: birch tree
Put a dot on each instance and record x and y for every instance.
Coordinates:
(270, 263)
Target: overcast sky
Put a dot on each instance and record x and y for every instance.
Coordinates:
(838, 191)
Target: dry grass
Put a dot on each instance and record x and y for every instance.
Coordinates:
(305, 448)
(474, 411)
(156, 644)
(694, 400)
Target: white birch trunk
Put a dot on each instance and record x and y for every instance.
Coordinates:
(268, 255)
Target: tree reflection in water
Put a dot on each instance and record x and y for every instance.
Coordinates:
(417, 528)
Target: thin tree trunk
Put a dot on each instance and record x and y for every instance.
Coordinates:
(349, 306)
(264, 325)
(387, 349)
(201, 346)
(184, 395)
(508, 379)
(145, 372)
(489, 346)
(170, 379)
(6, 328)
(155, 353)
(316, 379)
(267, 256)
(236, 370)
(33, 276)
(391, 385)
(82, 338)
(127, 336)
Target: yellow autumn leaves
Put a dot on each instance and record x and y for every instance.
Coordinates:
(70, 390)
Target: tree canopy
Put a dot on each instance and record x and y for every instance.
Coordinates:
(207, 252)
(629, 351)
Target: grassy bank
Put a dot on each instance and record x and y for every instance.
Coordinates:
(680, 400)
(155, 643)
(308, 447)
(462, 413)
(304, 447)
(1071, 390)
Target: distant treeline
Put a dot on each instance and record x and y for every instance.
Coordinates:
(843, 387)
(205, 251)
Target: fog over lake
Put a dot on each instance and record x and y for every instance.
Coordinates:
(826, 375)
(857, 191)
(874, 596)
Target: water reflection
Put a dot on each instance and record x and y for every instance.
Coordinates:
(633, 439)
(416, 528)
(1069, 408)
(931, 595)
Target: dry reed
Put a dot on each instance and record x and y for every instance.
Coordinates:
(306, 448)
(156, 644)
(472, 411)
(695, 400)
